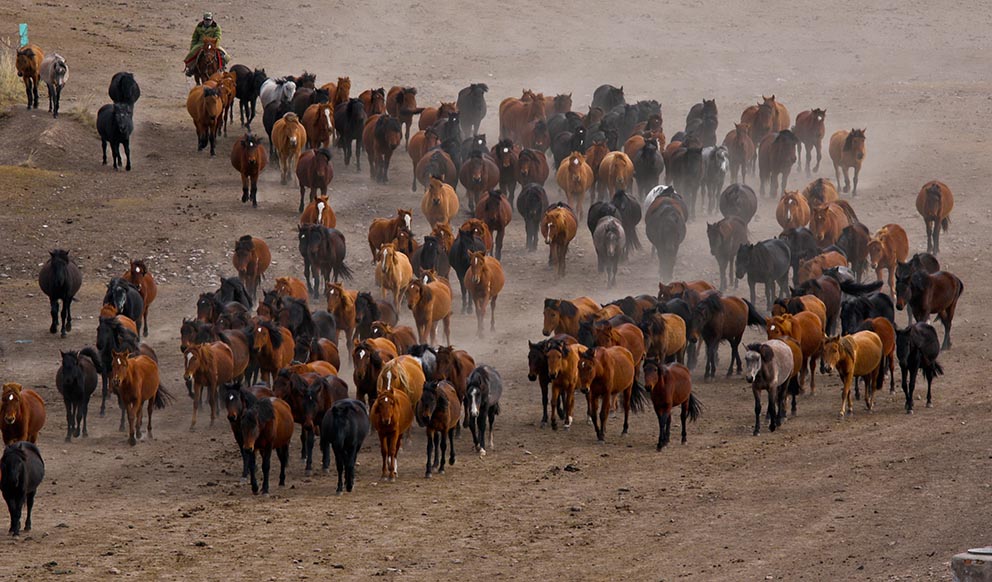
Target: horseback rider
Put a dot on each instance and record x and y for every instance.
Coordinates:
(206, 28)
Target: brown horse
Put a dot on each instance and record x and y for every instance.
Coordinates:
(627, 335)
(319, 211)
(887, 333)
(689, 291)
(430, 304)
(558, 227)
(289, 137)
(135, 379)
(23, 414)
(439, 411)
(616, 172)
(480, 229)
(454, 366)
(595, 154)
(516, 114)
(266, 424)
(205, 106)
(251, 259)
(341, 304)
(856, 355)
(139, 276)
(725, 237)
(564, 315)
(741, 149)
(434, 163)
(794, 305)
(809, 131)
(827, 222)
(927, 293)
(209, 60)
(291, 287)
(670, 386)
(934, 203)
(575, 178)
(374, 101)
(792, 211)
(393, 272)
(819, 192)
(605, 373)
(384, 230)
(563, 372)
(227, 83)
(209, 365)
(484, 280)
(769, 116)
(716, 318)
(776, 156)
(29, 58)
(315, 171)
(532, 167)
(430, 115)
(403, 336)
(401, 102)
(440, 203)
(479, 174)
(664, 336)
(391, 416)
(495, 211)
(318, 121)
(405, 374)
(340, 92)
(249, 157)
(367, 358)
(847, 150)
(381, 136)
(813, 268)
(807, 329)
(887, 248)
(273, 347)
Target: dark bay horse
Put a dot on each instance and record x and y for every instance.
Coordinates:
(323, 250)
(765, 262)
(249, 157)
(60, 279)
(776, 156)
(926, 294)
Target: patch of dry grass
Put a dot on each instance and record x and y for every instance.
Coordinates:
(10, 85)
(83, 115)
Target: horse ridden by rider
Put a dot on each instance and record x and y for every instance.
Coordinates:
(205, 29)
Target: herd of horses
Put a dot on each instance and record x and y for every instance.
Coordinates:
(269, 357)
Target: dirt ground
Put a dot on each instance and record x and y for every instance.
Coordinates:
(881, 496)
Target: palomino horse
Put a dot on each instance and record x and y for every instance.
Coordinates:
(605, 373)
(856, 355)
(430, 304)
(670, 386)
(485, 280)
(23, 413)
(792, 211)
(440, 203)
(495, 211)
(393, 272)
(439, 410)
(60, 279)
(558, 227)
(847, 150)
(934, 203)
(776, 156)
(809, 131)
(315, 171)
(206, 107)
(289, 137)
(249, 157)
(381, 136)
(251, 259)
(887, 248)
(139, 276)
(384, 230)
(575, 178)
(391, 417)
(29, 59)
(208, 61)
(401, 102)
(741, 149)
(135, 379)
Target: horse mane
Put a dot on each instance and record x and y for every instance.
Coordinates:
(60, 255)
(849, 140)
(558, 205)
(528, 154)
(567, 308)
(372, 307)
(787, 137)
(263, 409)
(324, 152)
(713, 303)
(244, 243)
(275, 334)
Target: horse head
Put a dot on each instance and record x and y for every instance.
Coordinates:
(855, 143)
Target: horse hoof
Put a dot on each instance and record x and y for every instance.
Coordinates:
(131, 441)
(338, 492)
(243, 480)
(308, 473)
(482, 452)
(544, 424)
(441, 471)
(63, 334)
(909, 411)
(53, 329)
(929, 405)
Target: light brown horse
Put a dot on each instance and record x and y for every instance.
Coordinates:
(403, 373)
(393, 272)
(670, 386)
(847, 150)
(292, 287)
(318, 121)
(886, 249)
(793, 210)
(827, 222)
(319, 211)
(249, 157)
(384, 230)
(135, 379)
(819, 192)
(794, 305)
(769, 116)
(887, 333)
(575, 178)
(440, 203)
(28, 65)
(341, 304)
(227, 83)
(809, 130)
(664, 336)
(209, 365)
(401, 102)
(374, 101)
(273, 347)
(558, 227)
(605, 373)
(430, 304)
(22, 412)
(934, 203)
(205, 106)
(813, 268)
(627, 335)
(856, 355)
(565, 315)
(289, 137)
(563, 371)
(776, 156)
(742, 151)
(251, 259)
(139, 276)
(340, 92)
(616, 172)
(516, 114)
(391, 416)
(431, 114)
(367, 358)
(485, 280)
(807, 329)
(403, 337)
(495, 211)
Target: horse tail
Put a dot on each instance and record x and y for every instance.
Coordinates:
(695, 408)
(753, 317)
(94, 357)
(415, 111)
(945, 223)
(495, 408)
(794, 388)
(938, 370)
(860, 288)
(638, 396)
(342, 270)
(163, 397)
(852, 216)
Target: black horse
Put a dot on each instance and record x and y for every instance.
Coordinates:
(599, 210)
(465, 243)
(248, 85)
(272, 113)
(482, 394)
(607, 97)
(702, 122)
(802, 247)
(859, 308)
(125, 298)
(766, 262)
(21, 472)
(531, 204)
(630, 217)
(924, 262)
(114, 123)
(471, 104)
(344, 429)
(368, 310)
(295, 316)
(60, 279)
(917, 348)
(430, 256)
(349, 121)
(112, 336)
(648, 166)
(124, 89)
(76, 380)
(323, 250)
(686, 173)
(665, 228)
(233, 289)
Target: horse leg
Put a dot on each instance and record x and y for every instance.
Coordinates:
(544, 403)
(857, 172)
(772, 411)
(266, 466)
(430, 451)
(310, 439)
(626, 408)
(212, 392)
(283, 454)
(252, 464)
(480, 313)
(444, 438)
(604, 413)
(130, 422)
(69, 416)
(735, 356)
(123, 407)
(197, 397)
(757, 410)
(492, 314)
(103, 144)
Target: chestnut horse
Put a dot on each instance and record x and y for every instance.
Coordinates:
(439, 410)
(315, 171)
(934, 203)
(401, 102)
(440, 203)
(393, 273)
(381, 136)
(847, 150)
(209, 60)
(402, 336)
(605, 373)
(806, 328)
(384, 230)
(431, 114)
(628, 335)
(249, 157)
(558, 227)
(266, 424)
(826, 222)
(792, 211)
(479, 174)
(742, 151)
(856, 355)
(769, 116)
(205, 106)
(368, 357)
(809, 131)
(23, 414)
(776, 156)
(318, 121)
(495, 211)
(251, 259)
(813, 268)
(374, 101)
(616, 172)
(289, 137)
(887, 248)
(664, 336)
(273, 347)
(716, 318)
(139, 276)
(210, 365)
(484, 280)
(670, 386)
(135, 379)
(819, 192)
(516, 114)
(926, 294)
(391, 416)
(532, 167)
(575, 178)
(430, 304)
(564, 315)
(291, 287)
(341, 304)
(28, 65)
(561, 357)
(319, 211)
